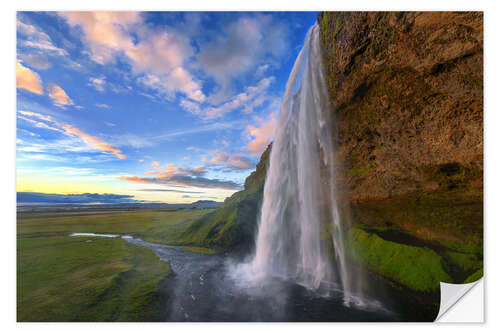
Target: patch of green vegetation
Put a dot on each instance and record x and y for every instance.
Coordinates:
(475, 276)
(113, 221)
(452, 175)
(418, 268)
(63, 278)
(87, 279)
(196, 249)
(476, 249)
(324, 23)
(457, 264)
(392, 39)
(464, 261)
(336, 28)
(368, 48)
(380, 55)
(232, 224)
(257, 177)
(357, 171)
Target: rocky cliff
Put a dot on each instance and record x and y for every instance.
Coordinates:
(407, 93)
(406, 90)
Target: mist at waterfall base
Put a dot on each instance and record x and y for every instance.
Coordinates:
(300, 235)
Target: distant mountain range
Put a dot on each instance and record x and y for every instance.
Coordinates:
(34, 201)
(206, 203)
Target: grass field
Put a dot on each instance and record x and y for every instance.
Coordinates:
(114, 221)
(62, 278)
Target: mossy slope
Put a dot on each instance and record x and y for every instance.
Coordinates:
(412, 262)
(415, 267)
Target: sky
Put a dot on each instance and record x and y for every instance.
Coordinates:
(168, 107)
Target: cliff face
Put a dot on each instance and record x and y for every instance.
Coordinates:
(407, 93)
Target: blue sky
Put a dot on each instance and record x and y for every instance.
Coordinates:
(162, 106)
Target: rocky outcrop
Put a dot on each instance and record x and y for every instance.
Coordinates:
(406, 89)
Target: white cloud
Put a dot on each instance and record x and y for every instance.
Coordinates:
(37, 39)
(215, 126)
(221, 142)
(260, 136)
(261, 70)
(98, 83)
(159, 52)
(129, 140)
(177, 80)
(241, 45)
(36, 60)
(106, 33)
(29, 133)
(190, 106)
(36, 115)
(252, 97)
(28, 79)
(183, 176)
(40, 124)
(167, 62)
(59, 96)
(232, 160)
(158, 58)
(84, 141)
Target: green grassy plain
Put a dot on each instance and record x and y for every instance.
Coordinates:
(62, 278)
(130, 222)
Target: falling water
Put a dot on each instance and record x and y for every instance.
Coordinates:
(296, 209)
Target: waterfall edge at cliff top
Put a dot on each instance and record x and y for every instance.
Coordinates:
(300, 233)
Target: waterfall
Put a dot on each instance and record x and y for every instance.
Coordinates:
(299, 208)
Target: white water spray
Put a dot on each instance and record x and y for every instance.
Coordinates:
(296, 208)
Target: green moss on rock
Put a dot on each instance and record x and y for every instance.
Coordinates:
(418, 268)
(474, 277)
(465, 261)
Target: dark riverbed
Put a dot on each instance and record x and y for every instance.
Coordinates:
(203, 290)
